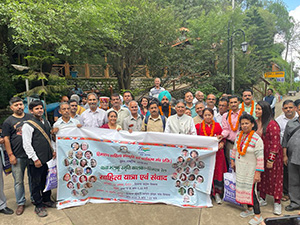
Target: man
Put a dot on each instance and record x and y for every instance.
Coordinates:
(180, 123)
(93, 117)
(154, 122)
(56, 113)
(80, 109)
(199, 97)
(165, 109)
(84, 103)
(157, 89)
(199, 107)
(116, 106)
(223, 108)
(291, 158)
(37, 145)
(248, 105)
(211, 103)
(188, 98)
(12, 132)
(289, 113)
(3, 208)
(128, 97)
(134, 121)
(271, 99)
(230, 124)
(65, 121)
(73, 109)
(104, 103)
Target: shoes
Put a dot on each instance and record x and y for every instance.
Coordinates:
(49, 204)
(256, 220)
(7, 211)
(291, 208)
(277, 209)
(41, 211)
(218, 199)
(20, 209)
(247, 213)
(262, 202)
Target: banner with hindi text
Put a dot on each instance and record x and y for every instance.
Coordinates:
(102, 165)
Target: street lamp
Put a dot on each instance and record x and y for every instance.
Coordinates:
(244, 46)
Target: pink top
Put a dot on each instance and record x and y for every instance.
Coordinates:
(227, 132)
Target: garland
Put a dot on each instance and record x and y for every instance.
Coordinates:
(252, 107)
(212, 128)
(237, 122)
(239, 147)
(161, 112)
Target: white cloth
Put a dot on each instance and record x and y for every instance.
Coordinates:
(60, 123)
(93, 119)
(180, 125)
(154, 92)
(282, 121)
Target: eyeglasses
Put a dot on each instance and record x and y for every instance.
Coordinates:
(211, 99)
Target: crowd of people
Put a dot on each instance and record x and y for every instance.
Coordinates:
(261, 150)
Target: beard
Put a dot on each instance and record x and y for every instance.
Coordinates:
(165, 105)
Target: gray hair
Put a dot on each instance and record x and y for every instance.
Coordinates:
(63, 103)
(92, 94)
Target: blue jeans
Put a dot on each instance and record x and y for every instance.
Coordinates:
(18, 171)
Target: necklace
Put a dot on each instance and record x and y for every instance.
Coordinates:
(161, 112)
(237, 122)
(252, 107)
(212, 128)
(239, 145)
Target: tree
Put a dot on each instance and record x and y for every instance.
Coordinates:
(144, 37)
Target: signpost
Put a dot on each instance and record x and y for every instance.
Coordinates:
(277, 74)
(280, 79)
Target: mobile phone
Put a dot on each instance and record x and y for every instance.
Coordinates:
(284, 220)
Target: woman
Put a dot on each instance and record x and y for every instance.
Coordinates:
(209, 127)
(272, 178)
(144, 105)
(112, 121)
(247, 158)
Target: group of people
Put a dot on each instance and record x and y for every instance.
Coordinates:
(262, 150)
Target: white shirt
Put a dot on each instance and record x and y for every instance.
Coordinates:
(218, 118)
(180, 125)
(93, 119)
(60, 123)
(282, 121)
(27, 132)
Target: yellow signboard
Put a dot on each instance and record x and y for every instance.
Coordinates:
(274, 74)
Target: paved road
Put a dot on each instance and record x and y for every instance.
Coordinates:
(132, 214)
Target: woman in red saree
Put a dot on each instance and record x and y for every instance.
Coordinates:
(209, 127)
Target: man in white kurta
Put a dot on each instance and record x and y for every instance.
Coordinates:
(180, 123)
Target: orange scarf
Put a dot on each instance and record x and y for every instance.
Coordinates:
(238, 144)
(161, 112)
(237, 122)
(252, 107)
(212, 128)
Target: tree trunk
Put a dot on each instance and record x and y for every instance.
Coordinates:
(287, 49)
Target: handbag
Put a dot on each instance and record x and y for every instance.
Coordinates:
(229, 188)
(5, 161)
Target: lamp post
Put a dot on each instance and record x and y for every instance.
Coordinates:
(244, 46)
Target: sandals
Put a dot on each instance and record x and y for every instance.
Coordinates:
(285, 198)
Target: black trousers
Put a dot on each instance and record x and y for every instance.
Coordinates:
(285, 180)
(255, 205)
(38, 182)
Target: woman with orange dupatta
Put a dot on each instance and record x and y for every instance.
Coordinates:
(209, 127)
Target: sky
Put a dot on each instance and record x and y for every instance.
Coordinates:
(293, 7)
(292, 4)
